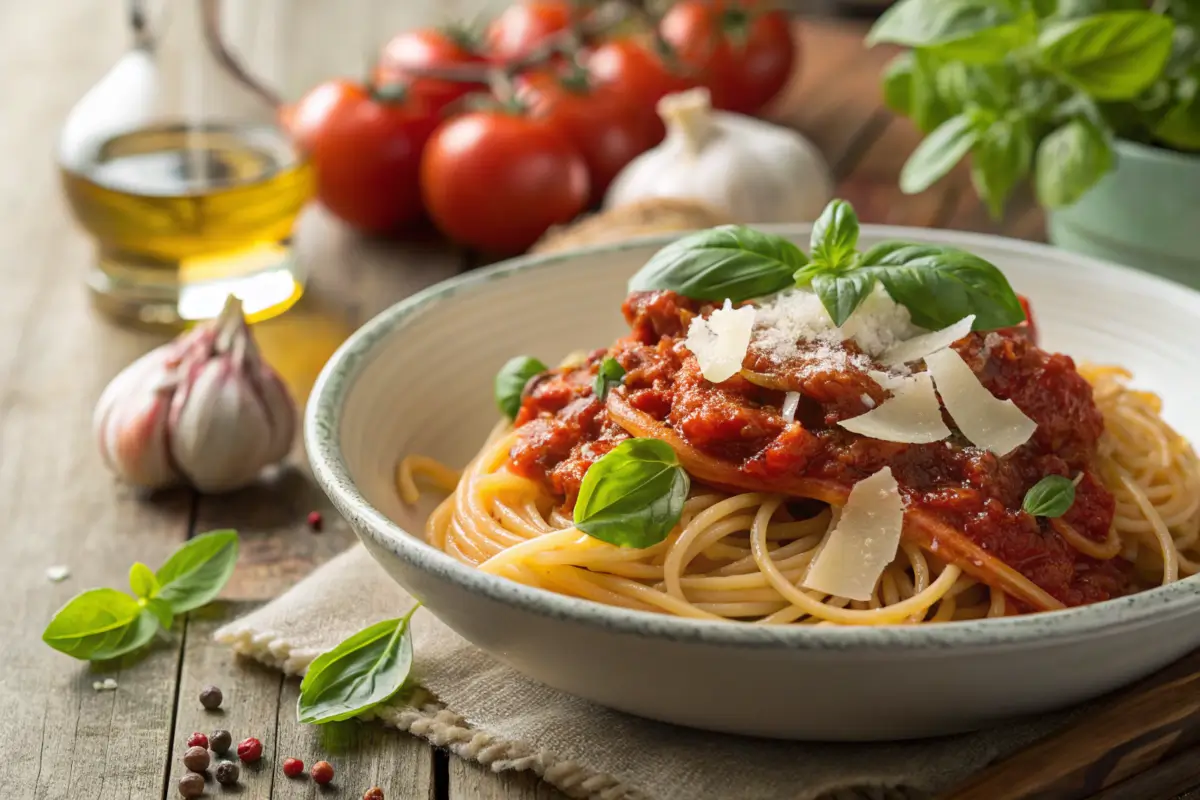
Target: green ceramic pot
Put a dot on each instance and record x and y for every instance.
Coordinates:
(1145, 213)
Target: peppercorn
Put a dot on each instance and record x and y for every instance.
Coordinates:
(211, 697)
(249, 750)
(198, 740)
(292, 767)
(228, 773)
(191, 785)
(196, 759)
(315, 521)
(220, 741)
(322, 772)
(374, 793)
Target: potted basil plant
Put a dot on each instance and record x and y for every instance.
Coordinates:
(1096, 101)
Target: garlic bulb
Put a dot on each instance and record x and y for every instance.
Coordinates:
(753, 170)
(204, 409)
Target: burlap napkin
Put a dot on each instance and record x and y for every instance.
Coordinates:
(489, 713)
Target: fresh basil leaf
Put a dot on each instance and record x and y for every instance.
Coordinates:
(842, 292)
(730, 262)
(978, 31)
(1001, 159)
(608, 375)
(930, 106)
(991, 86)
(1070, 160)
(365, 670)
(898, 78)
(941, 285)
(835, 235)
(142, 581)
(1073, 9)
(633, 495)
(1180, 127)
(195, 574)
(1111, 56)
(161, 611)
(511, 381)
(938, 153)
(99, 624)
(1050, 497)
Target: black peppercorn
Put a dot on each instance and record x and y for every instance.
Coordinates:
(196, 759)
(228, 773)
(220, 741)
(211, 697)
(191, 785)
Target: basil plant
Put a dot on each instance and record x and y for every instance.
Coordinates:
(1040, 88)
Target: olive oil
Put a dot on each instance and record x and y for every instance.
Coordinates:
(185, 215)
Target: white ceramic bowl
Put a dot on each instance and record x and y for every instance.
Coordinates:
(418, 379)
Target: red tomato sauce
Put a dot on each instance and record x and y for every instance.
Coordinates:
(564, 428)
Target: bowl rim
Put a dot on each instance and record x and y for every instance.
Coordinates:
(322, 422)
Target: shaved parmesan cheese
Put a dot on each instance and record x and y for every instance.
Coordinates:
(989, 422)
(862, 542)
(912, 415)
(918, 347)
(887, 380)
(791, 401)
(719, 342)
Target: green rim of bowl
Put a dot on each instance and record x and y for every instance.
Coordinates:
(323, 418)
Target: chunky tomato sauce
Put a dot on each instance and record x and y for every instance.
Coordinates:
(565, 428)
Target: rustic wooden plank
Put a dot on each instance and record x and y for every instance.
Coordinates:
(1178, 774)
(472, 781)
(59, 737)
(362, 754)
(250, 708)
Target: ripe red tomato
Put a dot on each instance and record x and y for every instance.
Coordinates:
(497, 181)
(743, 55)
(524, 26)
(430, 48)
(607, 130)
(366, 153)
(635, 72)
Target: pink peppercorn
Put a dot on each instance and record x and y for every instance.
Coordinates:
(292, 767)
(322, 772)
(249, 750)
(315, 521)
(198, 740)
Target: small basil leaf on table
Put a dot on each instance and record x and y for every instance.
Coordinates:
(196, 572)
(142, 582)
(511, 380)
(365, 670)
(842, 292)
(99, 624)
(730, 262)
(608, 375)
(161, 611)
(1052, 496)
(941, 285)
(632, 496)
(835, 235)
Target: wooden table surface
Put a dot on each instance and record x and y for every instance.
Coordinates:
(58, 737)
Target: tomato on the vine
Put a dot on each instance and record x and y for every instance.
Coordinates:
(607, 129)
(497, 180)
(632, 70)
(430, 48)
(525, 25)
(743, 54)
(366, 148)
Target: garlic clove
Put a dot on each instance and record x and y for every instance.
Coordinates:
(220, 434)
(282, 416)
(131, 423)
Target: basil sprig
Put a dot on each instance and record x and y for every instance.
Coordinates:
(362, 672)
(938, 285)
(511, 380)
(730, 262)
(1050, 497)
(101, 624)
(608, 375)
(632, 496)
